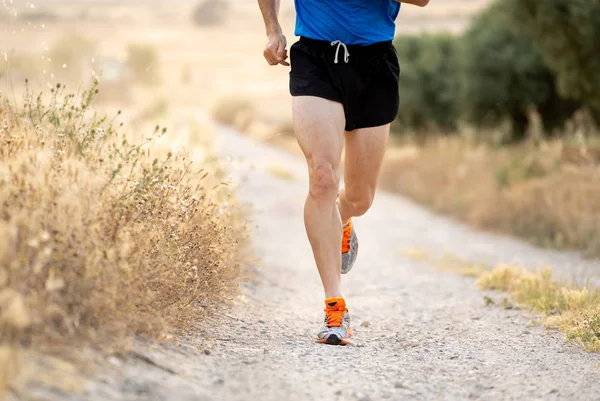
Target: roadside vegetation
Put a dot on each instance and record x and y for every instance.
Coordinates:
(546, 193)
(498, 126)
(516, 59)
(105, 234)
(210, 12)
(572, 309)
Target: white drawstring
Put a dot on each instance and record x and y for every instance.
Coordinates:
(346, 53)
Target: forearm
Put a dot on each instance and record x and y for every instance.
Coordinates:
(420, 3)
(270, 10)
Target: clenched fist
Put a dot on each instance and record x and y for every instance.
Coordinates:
(276, 52)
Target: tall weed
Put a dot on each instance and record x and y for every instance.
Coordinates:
(103, 233)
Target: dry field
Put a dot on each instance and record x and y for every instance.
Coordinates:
(546, 193)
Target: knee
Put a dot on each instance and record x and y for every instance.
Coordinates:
(360, 203)
(324, 181)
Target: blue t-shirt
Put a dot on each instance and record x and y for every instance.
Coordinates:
(354, 22)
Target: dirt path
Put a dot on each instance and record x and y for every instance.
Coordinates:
(429, 335)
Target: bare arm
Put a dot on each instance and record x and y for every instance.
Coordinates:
(420, 3)
(275, 52)
(270, 11)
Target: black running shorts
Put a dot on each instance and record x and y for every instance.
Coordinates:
(364, 79)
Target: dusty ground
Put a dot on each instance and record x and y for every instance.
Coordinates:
(419, 333)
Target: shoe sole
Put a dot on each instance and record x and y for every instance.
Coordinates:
(335, 340)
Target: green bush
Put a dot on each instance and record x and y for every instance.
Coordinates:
(502, 76)
(428, 82)
(502, 68)
(565, 33)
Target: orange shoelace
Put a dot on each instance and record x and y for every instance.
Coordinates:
(335, 308)
(346, 237)
(334, 317)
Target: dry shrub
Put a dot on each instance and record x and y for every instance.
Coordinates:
(559, 210)
(211, 12)
(102, 235)
(38, 15)
(237, 112)
(17, 67)
(281, 172)
(574, 310)
(536, 192)
(156, 108)
(70, 57)
(285, 128)
(143, 63)
(116, 82)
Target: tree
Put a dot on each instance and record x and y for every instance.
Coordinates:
(428, 82)
(502, 76)
(566, 33)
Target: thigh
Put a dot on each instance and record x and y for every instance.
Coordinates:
(365, 149)
(319, 126)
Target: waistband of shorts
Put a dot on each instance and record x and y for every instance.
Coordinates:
(372, 48)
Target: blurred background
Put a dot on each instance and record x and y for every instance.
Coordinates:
(500, 101)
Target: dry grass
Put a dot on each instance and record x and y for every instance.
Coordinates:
(416, 254)
(17, 67)
(211, 12)
(446, 262)
(548, 193)
(574, 310)
(281, 172)
(260, 122)
(457, 266)
(103, 234)
(70, 56)
(234, 111)
(143, 63)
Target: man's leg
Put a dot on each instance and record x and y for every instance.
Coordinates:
(365, 149)
(319, 126)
